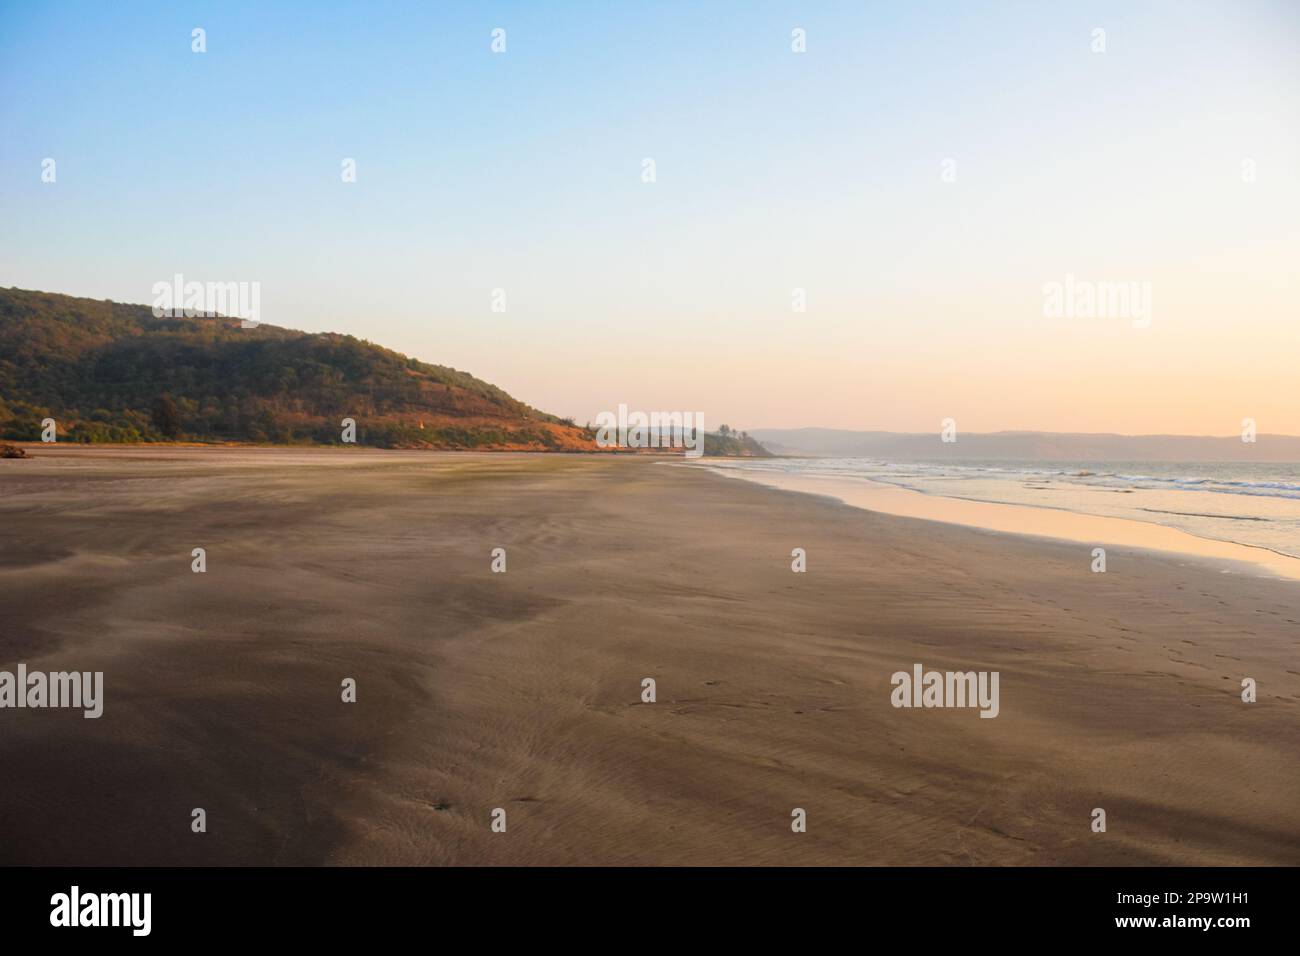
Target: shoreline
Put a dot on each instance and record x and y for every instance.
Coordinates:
(522, 690)
(1034, 521)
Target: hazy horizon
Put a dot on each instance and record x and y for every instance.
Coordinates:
(756, 429)
(922, 175)
(1018, 431)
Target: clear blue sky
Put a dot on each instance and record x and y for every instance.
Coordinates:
(775, 171)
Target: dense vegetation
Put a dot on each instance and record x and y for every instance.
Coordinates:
(109, 372)
(727, 442)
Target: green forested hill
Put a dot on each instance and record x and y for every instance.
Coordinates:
(729, 443)
(106, 371)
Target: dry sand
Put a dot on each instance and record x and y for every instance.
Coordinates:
(522, 690)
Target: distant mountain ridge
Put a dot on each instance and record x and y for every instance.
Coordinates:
(1025, 446)
(107, 371)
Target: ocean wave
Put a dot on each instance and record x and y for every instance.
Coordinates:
(1218, 484)
(1190, 497)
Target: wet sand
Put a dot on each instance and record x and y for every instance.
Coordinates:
(1093, 530)
(521, 690)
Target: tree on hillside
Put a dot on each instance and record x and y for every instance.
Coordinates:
(166, 416)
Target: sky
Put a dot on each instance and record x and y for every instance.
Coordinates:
(922, 172)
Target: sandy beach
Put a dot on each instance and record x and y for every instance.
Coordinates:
(522, 690)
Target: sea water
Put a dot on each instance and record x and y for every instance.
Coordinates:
(1250, 503)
